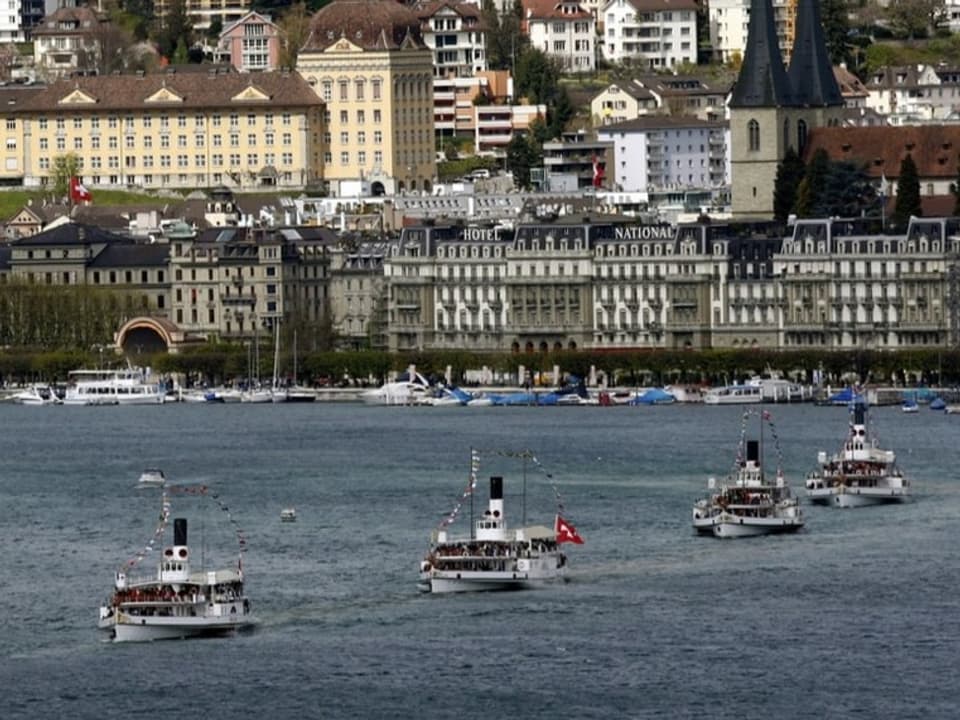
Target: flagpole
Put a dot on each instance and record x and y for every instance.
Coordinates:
(470, 479)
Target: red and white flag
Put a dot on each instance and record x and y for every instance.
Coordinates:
(597, 172)
(567, 532)
(78, 193)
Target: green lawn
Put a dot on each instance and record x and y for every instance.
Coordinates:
(12, 200)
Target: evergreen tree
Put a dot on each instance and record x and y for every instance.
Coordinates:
(537, 77)
(521, 156)
(810, 189)
(836, 27)
(175, 28)
(790, 173)
(559, 113)
(908, 194)
(955, 189)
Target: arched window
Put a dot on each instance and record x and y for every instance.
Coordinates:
(801, 136)
(753, 133)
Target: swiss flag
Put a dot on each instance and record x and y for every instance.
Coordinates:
(567, 532)
(78, 193)
(597, 172)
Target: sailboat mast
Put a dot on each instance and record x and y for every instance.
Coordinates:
(470, 478)
(276, 353)
(523, 502)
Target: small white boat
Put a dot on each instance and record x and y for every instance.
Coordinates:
(288, 515)
(862, 473)
(734, 395)
(37, 394)
(910, 406)
(747, 503)
(952, 409)
(492, 556)
(151, 477)
(177, 600)
(410, 388)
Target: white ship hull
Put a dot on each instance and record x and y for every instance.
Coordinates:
(128, 628)
(856, 497)
(733, 526)
(440, 581)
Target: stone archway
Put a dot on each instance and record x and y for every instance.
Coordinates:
(148, 335)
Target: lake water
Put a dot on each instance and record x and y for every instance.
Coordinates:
(855, 616)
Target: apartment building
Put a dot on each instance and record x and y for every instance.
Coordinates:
(367, 62)
(454, 32)
(67, 41)
(659, 152)
(730, 20)
(251, 44)
(564, 30)
(653, 34)
(169, 130)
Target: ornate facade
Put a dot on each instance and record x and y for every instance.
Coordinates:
(579, 283)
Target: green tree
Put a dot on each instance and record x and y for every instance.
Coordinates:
(810, 188)
(834, 14)
(505, 38)
(915, 18)
(908, 194)
(847, 191)
(560, 112)
(955, 189)
(64, 168)
(294, 27)
(521, 156)
(537, 77)
(175, 27)
(790, 174)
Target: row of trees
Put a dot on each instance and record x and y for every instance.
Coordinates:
(841, 188)
(222, 363)
(49, 317)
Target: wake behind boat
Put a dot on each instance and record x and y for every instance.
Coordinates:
(178, 600)
(862, 473)
(747, 502)
(493, 556)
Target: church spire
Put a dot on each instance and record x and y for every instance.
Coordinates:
(811, 73)
(763, 81)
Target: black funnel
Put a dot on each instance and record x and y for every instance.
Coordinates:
(859, 412)
(496, 488)
(753, 451)
(180, 531)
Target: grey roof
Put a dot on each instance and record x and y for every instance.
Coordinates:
(659, 122)
(72, 233)
(127, 255)
(763, 81)
(811, 73)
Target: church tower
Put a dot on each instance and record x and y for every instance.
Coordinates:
(773, 109)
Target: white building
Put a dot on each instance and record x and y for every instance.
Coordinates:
(454, 32)
(655, 153)
(655, 34)
(728, 27)
(914, 93)
(564, 30)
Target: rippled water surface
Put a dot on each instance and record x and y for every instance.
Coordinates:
(856, 616)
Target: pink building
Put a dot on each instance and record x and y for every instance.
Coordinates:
(251, 44)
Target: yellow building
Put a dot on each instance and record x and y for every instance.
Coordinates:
(367, 62)
(169, 130)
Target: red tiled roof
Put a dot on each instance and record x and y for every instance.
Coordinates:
(197, 90)
(369, 24)
(935, 148)
(553, 10)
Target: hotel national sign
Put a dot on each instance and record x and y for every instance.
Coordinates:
(644, 232)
